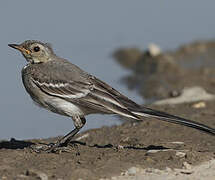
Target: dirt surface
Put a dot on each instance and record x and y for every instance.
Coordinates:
(108, 151)
(111, 151)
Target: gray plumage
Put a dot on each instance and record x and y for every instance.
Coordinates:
(59, 78)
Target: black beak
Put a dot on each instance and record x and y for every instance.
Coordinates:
(15, 46)
(20, 48)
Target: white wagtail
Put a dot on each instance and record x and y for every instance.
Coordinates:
(61, 87)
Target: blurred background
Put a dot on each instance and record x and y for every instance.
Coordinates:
(87, 33)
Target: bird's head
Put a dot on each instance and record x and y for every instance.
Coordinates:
(34, 51)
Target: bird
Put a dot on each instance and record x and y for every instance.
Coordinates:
(57, 85)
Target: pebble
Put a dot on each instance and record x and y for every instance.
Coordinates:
(199, 105)
(191, 94)
(158, 150)
(187, 165)
(177, 142)
(132, 171)
(180, 154)
(154, 50)
(154, 171)
(120, 147)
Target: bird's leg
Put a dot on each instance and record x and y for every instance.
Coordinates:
(79, 122)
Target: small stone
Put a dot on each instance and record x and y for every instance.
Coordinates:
(177, 142)
(180, 154)
(153, 151)
(199, 105)
(120, 147)
(152, 170)
(158, 150)
(187, 166)
(192, 94)
(154, 50)
(132, 171)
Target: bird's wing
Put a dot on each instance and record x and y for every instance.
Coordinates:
(92, 93)
(102, 87)
(62, 89)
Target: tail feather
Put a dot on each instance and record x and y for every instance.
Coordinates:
(147, 112)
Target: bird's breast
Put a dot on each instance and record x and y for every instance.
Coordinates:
(52, 103)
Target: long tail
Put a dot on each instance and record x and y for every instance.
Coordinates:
(147, 112)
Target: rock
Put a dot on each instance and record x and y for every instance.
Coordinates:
(187, 166)
(154, 50)
(180, 154)
(132, 171)
(188, 95)
(152, 170)
(128, 57)
(158, 150)
(199, 105)
(177, 142)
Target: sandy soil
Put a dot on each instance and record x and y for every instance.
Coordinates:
(110, 151)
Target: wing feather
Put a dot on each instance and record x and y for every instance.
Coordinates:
(95, 93)
(71, 90)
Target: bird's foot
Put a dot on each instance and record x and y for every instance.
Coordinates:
(42, 147)
(50, 148)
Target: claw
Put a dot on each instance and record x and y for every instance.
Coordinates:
(50, 148)
(43, 148)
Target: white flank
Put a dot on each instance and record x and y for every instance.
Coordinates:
(65, 106)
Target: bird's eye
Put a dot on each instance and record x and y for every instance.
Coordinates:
(36, 48)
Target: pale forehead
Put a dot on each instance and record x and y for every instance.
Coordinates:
(29, 43)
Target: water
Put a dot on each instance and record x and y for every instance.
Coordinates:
(86, 33)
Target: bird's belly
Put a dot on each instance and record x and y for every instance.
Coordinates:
(63, 107)
(54, 104)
